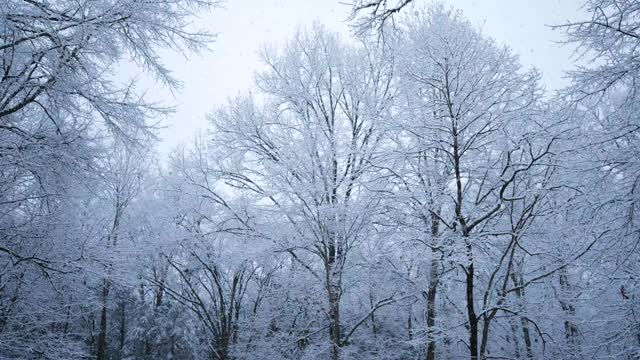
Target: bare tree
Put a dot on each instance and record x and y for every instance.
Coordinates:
(60, 109)
(603, 99)
(307, 154)
(370, 15)
(473, 104)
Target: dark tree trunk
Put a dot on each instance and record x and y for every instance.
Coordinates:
(334, 327)
(514, 337)
(520, 293)
(471, 313)
(373, 317)
(102, 336)
(432, 291)
(123, 325)
(570, 328)
(410, 324)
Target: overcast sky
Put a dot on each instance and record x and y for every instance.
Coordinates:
(243, 26)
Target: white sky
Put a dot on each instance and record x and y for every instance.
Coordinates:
(243, 26)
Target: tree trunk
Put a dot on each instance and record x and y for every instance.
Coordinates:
(372, 316)
(514, 337)
(334, 323)
(102, 336)
(123, 325)
(410, 324)
(433, 288)
(462, 221)
(486, 327)
(471, 311)
(334, 259)
(570, 328)
(526, 335)
(112, 240)
(431, 313)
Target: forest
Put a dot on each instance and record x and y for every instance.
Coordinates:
(409, 192)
